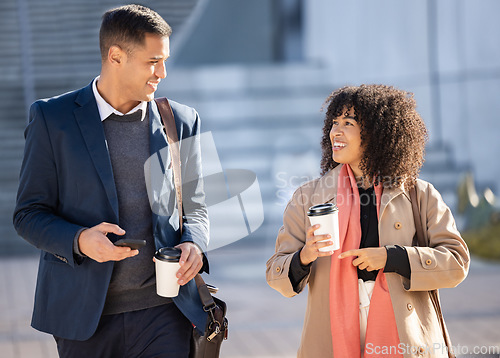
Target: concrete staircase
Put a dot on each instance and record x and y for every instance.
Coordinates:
(66, 42)
(12, 122)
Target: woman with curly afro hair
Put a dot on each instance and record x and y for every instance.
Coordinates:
(370, 297)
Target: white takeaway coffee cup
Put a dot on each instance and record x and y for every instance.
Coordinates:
(327, 216)
(167, 265)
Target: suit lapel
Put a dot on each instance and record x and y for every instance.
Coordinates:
(159, 155)
(89, 121)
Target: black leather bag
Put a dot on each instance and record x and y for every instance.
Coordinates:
(206, 345)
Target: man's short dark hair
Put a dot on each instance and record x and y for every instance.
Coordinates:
(126, 26)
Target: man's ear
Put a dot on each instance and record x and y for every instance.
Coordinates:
(116, 56)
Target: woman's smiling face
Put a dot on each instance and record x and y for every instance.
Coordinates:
(345, 136)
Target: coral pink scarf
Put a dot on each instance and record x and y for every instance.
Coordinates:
(381, 334)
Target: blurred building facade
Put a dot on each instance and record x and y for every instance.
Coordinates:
(259, 71)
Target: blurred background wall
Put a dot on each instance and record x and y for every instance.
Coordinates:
(258, 73)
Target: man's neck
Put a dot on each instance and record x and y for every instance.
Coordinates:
(109, 91)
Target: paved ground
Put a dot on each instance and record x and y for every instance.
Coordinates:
(262, 323)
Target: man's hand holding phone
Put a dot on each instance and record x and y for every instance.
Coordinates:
(94, 243)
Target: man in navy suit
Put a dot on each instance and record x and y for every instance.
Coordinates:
(84, 184)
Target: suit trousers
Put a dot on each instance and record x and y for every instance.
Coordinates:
(161, 331)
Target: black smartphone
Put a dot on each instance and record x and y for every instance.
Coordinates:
(133, 244)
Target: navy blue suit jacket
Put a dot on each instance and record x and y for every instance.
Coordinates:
(66, 184)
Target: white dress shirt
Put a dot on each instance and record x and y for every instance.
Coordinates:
(105, 109)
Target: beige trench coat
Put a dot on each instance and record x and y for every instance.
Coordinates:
(444, 264)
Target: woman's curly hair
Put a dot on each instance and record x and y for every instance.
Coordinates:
(393, 134)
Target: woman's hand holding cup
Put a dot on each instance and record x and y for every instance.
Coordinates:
(310, 252)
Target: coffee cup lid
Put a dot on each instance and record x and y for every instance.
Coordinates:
(321, 209)
(168, 254)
